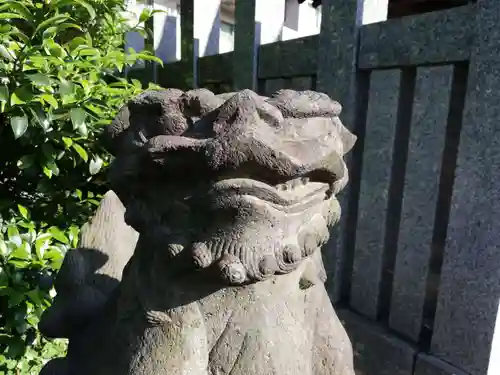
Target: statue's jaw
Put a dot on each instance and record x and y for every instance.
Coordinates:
(293, 196)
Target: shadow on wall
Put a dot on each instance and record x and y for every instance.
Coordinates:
(213, 41)
(167, 47)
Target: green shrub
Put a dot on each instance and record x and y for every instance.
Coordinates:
(60, 84)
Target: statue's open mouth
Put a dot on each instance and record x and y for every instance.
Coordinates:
(292, 196)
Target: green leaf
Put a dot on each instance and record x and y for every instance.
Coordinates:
(57, 19)
(148, 57)
(73, 235)
(15, 299)
(67, 142)
(77, 42)
(95, 165)
(13, 235)
(40, 117)
(79, 194)
(39, 79)
(49, 151)
(4, 94)
(42, 244)
(34, 295)
(81, 151)
(47, 171)
(85, 51)
(87, 6)
(21, 95)
(10, 16)
(52, 31)
(78, 116)
(6, 53)
(53, 168)
(21, 36)
(22, 252)
(145, 14)
(3, 248)
(19, 125)
(48, 98)
(137, 83)
(53, 254)
(18, 6)
(23, 211)
(66, 87)
(54, 49)
(58, 235)
(83, 131)
(26, 162)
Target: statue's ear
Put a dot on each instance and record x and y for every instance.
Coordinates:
(114, 135)
(348, 139)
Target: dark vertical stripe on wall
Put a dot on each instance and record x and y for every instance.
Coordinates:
(448, 166)
(430, 109)
(355, 167)
(375, 184)
(400, 155)
(261, 87)
(314, 80)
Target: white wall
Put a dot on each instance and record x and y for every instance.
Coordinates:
(167, 35)
(226, 36)
(269, 13)
(207, 26)
(305, 21)
(167, 30)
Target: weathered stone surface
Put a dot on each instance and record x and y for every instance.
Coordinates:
(429, 365)
(376, 351)
(90, 273)
(232, 196)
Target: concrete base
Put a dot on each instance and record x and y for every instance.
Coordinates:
(429, 365)
(377, 351)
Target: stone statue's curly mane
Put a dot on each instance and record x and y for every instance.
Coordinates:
(196, 147)
(205, 258)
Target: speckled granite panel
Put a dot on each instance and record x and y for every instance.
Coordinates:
(289, 58)
(434, 37)
(374, 194)
(301, 83)
(420, 199)
(468, 304)
(336, 76)
(273, 85)
(178, 75)
(376, 351)
(429, 365)
(215, 68)
(244, 45)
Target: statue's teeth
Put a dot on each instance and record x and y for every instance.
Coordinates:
(292, 184)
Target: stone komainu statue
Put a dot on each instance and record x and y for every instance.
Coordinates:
(232, 196)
